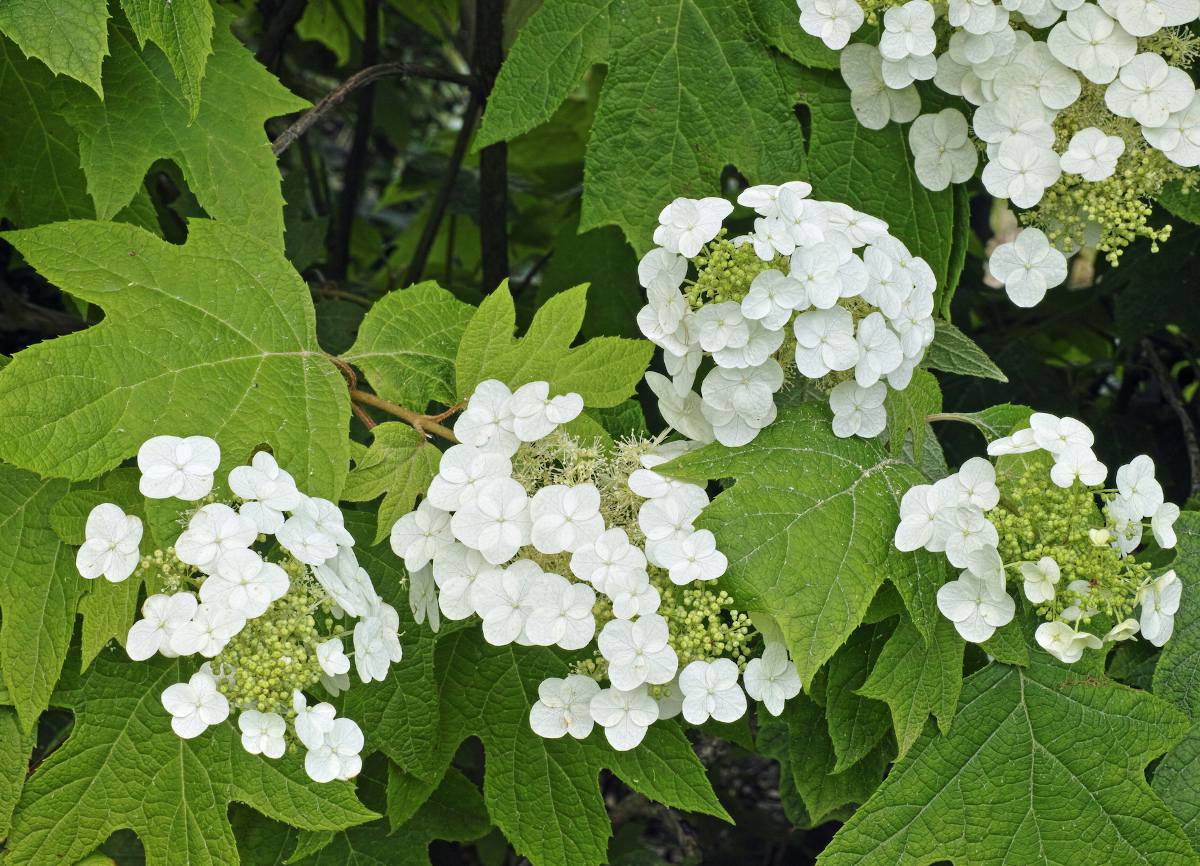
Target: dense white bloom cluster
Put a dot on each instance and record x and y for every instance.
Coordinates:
(1040, 518)
(1082, 110)
(554, 543)
(818, 288)
(253, 617)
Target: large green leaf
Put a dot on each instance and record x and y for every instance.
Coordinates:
(398, 466)
(39, 589)
(808, 530)
(604, 370)
(856, 723)
(1043, 766)
(215, 337)
(223, 153)
(69, 36)
(15, 748)
(407, 342)
(183, 29)
(123, 766)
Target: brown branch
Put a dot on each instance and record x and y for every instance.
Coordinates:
(1174, 398)
(362, 78)
(423, 424)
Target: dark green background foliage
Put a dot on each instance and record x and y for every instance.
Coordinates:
(458, 144)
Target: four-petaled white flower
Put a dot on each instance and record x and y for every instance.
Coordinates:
(825, 341)
(1021, 171)
(942, 152)
(711, 690)
(211, 627)
(487, 422)
(331, 655)
(686, 225)
(976, 607)
(564, 707)
(262, 733)
(626, 715)
(1162, 524)
(1092, 154)
(504, 599)
(874, 103)
(1028, 266)
(110, 546)
(858, 411)
(497, 523)
(879, 351)
(693, 557)
(772, 679)
(214, 531)
(346, 582)
(1148, 90)
(418, 536)
(1040, 579)
(268, 491)
(565, 518)
(638, 652)
(455, 571)
(162, 615)
(1160, 603)
(336, 755)
(562, 614)
(772, 299)
(536, 414)
(244, 583)
(1137, 486)
(609, 555)
(1077, 463)
(195, 705)
(377, 642)
(179, 468)
(1092, 42)
(463, 468)
(1063, 642)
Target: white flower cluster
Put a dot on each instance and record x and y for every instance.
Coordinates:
(858, 306)
(225, 588)
(543, 567)
(1079, 528)
(1060, 87)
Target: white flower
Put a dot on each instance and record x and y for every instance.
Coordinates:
(975, 16)
(1092, 154)
(497, 523)
(1135, 482)
(976, 607)
(624, 714)
(346, 582)
(749, 391)
(562, 615)
(565, 518)
(879, 351)
(825, 341)
(693, 557)
(662, 266)
(331, 655)
(831, 21)
(686, 225)
(267, 489)
(211, 627)
(377, 642)
(1040, 579)
(195, 705)
(463, 468)
(161, 616)
(1020, 442)
(772, 235)
(563, 707)
(1092, 42)
(977, 477)
(455, 571)
(908, 31)
(818, 270)
(1148, 90)
(764, 197)
(1063, 642)
(311, 723)
(262, 733)
(315, 531)
(637, 652)
(632, 594)
(1056, 435)
(772, 679)
(610, 554)
(1077, 462)
(1014, 119)
(772, 299)
(504, 599)
(1162, 524)
(1124, 630)
(337, 755)
(1028, 266)
(1160, 603)
(887, 284)
(858, 411)
(110, 547)
(722, 325)
(422, 597)
(666, 517)
(536, 414)
(244, 583)
(1021, 171)
(873, 102)
(180, 468)
(1081, 591)
(1179, 137)
(710, 689)
(683, 411)
(942, 152)
(919, 509)
(420, 535)
(665, 320)
(1147, 17)
(487, 422)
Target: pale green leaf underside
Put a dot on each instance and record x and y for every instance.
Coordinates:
(1041, 767)
(183, 29)
(214, 337)
(123, 766)
(69, 36)
(808, 527)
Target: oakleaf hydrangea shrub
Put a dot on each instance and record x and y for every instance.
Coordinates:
(817, 291)
(1082, 112)
(554, 540)
(263, 584)
(1038, 522)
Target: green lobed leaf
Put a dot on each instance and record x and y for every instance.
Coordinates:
(916, 678)
(183, 29)
(952, 351)
(398, 466)
(604, 370)
(856, 723)
(123, 766)
(222, 154)
(553, 51)
(407, 342)
(70, 36)
(178, 352)
(778, 22)
(1042, 766)
(15, 748)
(39, 590)
(908, 411)
(808, 530)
